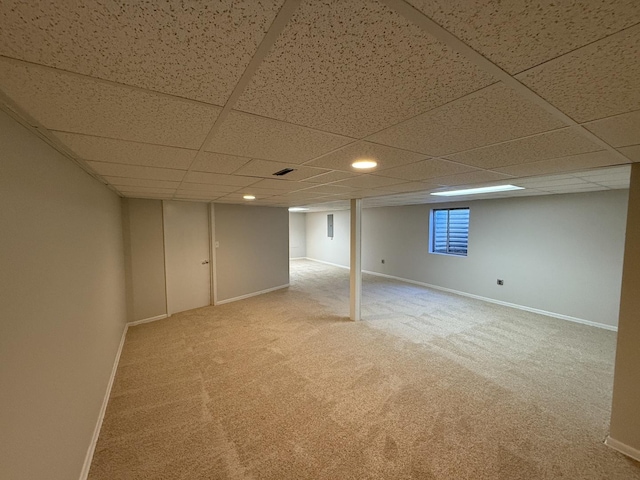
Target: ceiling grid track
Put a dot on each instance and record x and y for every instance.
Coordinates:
(208, 107)
(105, 81)
(277, 26)
(14, 111)
(432, 28)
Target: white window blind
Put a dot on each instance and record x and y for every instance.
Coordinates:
(450, 231)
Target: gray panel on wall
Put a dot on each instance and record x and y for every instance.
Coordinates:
(144, 249)
(252, 251)
(297, 235)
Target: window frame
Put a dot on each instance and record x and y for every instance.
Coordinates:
(432, 232)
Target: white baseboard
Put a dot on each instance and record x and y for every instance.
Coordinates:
(327, 263)
(499, 302)
(623, 448)
(96, 432)
(147, 320)
(103, 409)
(485, 299)
(248, 295)
(298, 258)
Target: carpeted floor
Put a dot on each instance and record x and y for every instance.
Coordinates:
(430, 386)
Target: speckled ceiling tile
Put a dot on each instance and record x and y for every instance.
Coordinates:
(619, 131)
(517, 35)
(218, 163)
(471, 177)
(140, 182)
(204, 187)
(135, 171)
(372, 192)
(426, 169)
(202, 196)
(551, 181)
(571, 163)
(494, 114)
(354, 68)
(369, 181)
(632, 152)
(559, 143)
(218, 179)
(387, 157)
(282, 185)
(331, 177)
(201, 193)
(334, 189)
(596, 81)
(266, 169)
(304, 195)
(195, 50)
(71, 103)
(620, 173)
(262, 138)
(131, 153)
(409, 187)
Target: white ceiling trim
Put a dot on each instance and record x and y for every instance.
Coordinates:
(8, 106)
(104, 81)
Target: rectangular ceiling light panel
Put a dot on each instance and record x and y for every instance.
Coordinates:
(477, 191)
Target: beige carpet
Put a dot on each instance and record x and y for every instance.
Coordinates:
(429, 386)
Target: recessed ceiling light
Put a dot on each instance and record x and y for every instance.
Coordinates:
(364, 164)
(249, 197)
(298, 209)
(476, 191)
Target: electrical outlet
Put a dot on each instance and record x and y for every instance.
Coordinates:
(500, 282)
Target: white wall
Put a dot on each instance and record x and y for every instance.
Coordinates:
(253, 249)
(62, 306)
(144, 254)
(557, 253)
(320, 246)
(625, 422)
(297, 235)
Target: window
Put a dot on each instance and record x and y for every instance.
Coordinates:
(450, 231)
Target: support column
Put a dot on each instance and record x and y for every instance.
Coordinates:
(356, 258)
(625, 420)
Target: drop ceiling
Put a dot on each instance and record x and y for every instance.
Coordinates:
(196, 101)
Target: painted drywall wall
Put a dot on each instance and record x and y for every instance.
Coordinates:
(144, 254)
(62, 305)
(297, 235)
(321, 247)
(252, 252)
(625, 421)
(557, 253)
